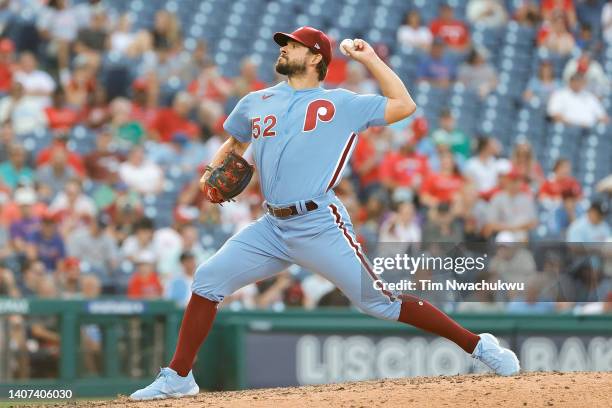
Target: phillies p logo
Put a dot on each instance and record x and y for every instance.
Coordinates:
(320, 109)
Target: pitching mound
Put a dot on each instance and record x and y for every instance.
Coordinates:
(526, 390)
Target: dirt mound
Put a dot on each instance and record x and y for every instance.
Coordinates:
(526, 390)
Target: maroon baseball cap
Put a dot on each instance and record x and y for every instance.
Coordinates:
(312, 38)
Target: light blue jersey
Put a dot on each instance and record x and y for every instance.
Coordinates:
(302, 139)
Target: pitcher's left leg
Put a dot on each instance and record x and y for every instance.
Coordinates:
(340, 258)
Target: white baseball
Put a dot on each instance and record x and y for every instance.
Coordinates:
(346, 44)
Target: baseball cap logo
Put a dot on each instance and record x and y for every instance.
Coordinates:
(317, 46)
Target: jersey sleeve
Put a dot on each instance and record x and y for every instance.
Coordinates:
(366, 110)
(238, 123)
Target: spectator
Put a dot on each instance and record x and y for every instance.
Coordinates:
(435, 68)
(96, 247)
(404, 168)
(606, 22)
(532, 300)
(36, 83)
(448, 134)
(210, 85)
(23, 229)
(191, 243)
(512, 210)
(16, 171)
(8, 285)
(366, 161)
(47, 244)
(477, 74)
(488, 13)
(248, 80)
(442, 225)
(315, 287)
(141, 174)
(95, 113)
(166, 30)
(482, 169)
(69, 278)
(32, 272)
(563, 215)
(452, 31)
(565, 8)
(144, 283)
(81, 84)
(102, 164)
(178, 288)
(139, 243)
(573, 105)
(122, 38)
(413, 34)
(590, 227)
(560, 182)
(92, 40)
(72, 206)
(556, 38)
(144, 100)
(526, 165)
(7, 65)
(25, 114)
(357, 79)
(597, 81)
(513, 261)
(170, 121)
(43, 335)
(60, 117)
(527, 13)
(585, 40)
(55, 174)
(60, 142)
(402, 226)
(544, 85)
(443, 186)
(58, 24)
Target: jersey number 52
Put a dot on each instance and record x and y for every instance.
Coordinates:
(269, 122)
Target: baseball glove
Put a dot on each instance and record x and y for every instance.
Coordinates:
(228, 180)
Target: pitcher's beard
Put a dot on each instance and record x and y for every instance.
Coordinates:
(284, 67)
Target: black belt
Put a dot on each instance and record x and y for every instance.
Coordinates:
(284, 212)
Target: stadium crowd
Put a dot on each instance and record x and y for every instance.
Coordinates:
(99, 166)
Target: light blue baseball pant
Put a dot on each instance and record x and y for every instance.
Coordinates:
(322, 241)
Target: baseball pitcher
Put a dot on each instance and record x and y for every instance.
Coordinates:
(303, 136)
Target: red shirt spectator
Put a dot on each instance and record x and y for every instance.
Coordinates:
(210, 85)
(144, 103)
(337, 72)
(6, 64)
(169, 121)
(145, 283)
(442, 187)
(61, 118)
(365, 162)
(404, 168)
(454, 32)
(560, 182)
(74, 160)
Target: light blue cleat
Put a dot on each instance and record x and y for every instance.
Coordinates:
(501, 360)
(168, 384)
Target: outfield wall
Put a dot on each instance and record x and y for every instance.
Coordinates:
(295, 347)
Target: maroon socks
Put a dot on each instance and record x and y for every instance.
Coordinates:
(197, 321)
(422, 314)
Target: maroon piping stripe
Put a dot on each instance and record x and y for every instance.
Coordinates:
(338, 169)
